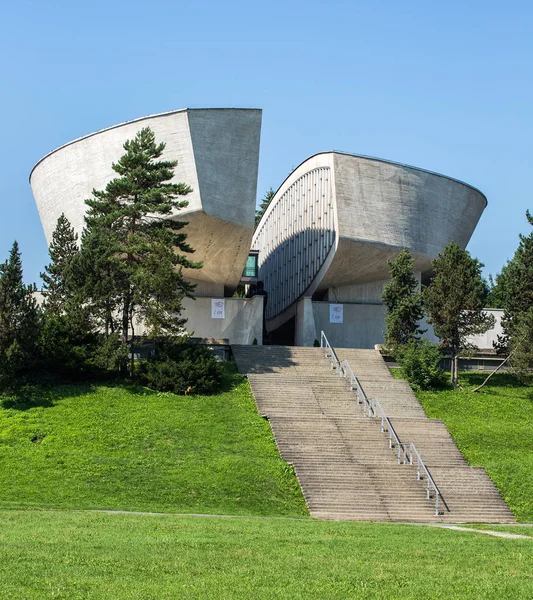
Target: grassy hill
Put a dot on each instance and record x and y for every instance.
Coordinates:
(493, 428)
(135, 449)
(78, 447)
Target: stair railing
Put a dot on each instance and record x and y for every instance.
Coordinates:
(406, 451)
(430, 483)
(330, 353)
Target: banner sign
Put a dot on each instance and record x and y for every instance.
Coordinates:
(218, 309)
(336, 313)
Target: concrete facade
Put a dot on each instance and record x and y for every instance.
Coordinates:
(217, 152)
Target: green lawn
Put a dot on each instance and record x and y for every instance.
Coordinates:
(74, 555)
(135, 449)
(494, 429)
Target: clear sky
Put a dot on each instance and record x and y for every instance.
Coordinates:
(446, 86)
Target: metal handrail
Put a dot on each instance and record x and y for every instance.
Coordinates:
(333, 358)
(429, 479)
(405, 450)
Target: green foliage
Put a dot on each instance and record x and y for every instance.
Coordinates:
(517, 289)
(403, 301)
(20, 323)
(265, 203)
(57, 290)
(66, 347)
(454, 300)
(521, 345)
(130, 448)
(108, 354)
(497, 289)
(493, 429)
(73, 555)
(182, 369)
(420, 363)
(132, 253)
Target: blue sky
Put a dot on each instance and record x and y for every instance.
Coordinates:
(446, 86)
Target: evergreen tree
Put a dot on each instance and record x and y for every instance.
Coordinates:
(265, 203)
(454, 300)
(140, 249)
(518, 286)
(497, 289)
(19, 321)
(62, 250)
(404, 302)
(521, 345)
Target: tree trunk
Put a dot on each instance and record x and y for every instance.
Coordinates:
(125, 330)
(492, 373)
(454, 368)
(132, 357)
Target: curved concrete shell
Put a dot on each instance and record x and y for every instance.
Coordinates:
(338, 218)
(217, 152)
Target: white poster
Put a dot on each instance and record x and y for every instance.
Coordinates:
(335, 313)
(218, 308)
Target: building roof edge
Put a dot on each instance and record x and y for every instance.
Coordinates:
(136, 120)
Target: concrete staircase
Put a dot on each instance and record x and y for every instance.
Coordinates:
(342, 459)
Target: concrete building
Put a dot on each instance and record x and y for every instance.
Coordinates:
(322, 245)
(325, 239)
(217, 152)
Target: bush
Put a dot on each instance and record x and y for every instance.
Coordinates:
(182, 369)
(420, 363)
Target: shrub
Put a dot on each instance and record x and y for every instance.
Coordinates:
(420, 363)
(182, 369)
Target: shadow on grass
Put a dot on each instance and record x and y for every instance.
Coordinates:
(46, 396)
(34, 396)
(497, 380)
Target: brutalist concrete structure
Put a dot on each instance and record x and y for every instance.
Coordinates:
(330, 229)
(217, 152)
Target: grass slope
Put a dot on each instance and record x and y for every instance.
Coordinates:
(493, 428)
(134, 449)
(73, 555)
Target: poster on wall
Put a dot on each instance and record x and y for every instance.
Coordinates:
(218, 308)
(336, 313)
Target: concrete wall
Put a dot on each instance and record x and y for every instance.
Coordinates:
(362, 292)
(364, 325)
(483, 341)
(242, 323)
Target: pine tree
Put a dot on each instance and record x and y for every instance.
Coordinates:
(518, 286)
(19, 321)
(454, 300)
(521, 345)
(265, 203)
(62, 250)
(140, 248)
(404, 302)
